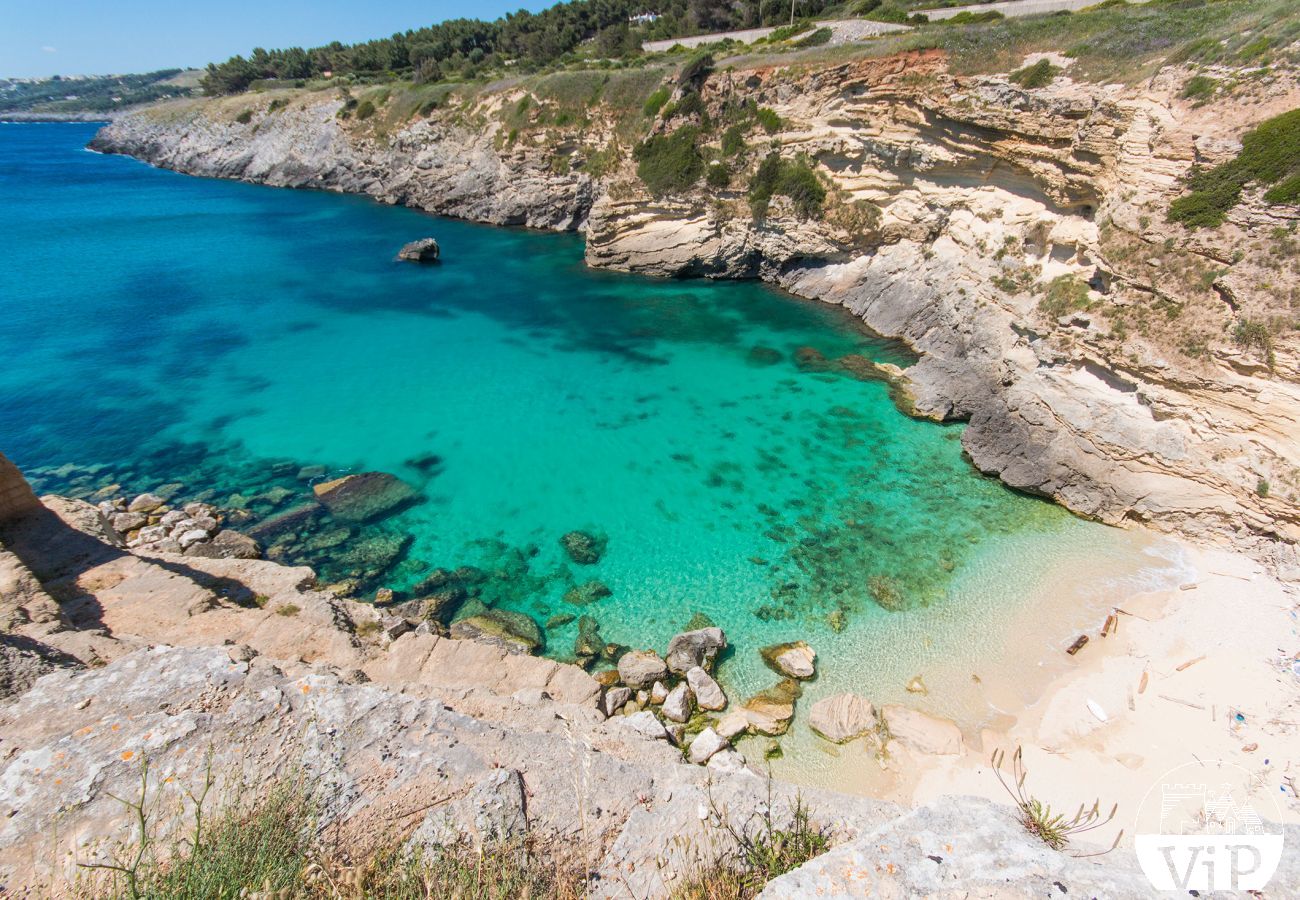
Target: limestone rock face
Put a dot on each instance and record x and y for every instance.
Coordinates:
(641, 668)
(793, 660)
(16, 496)
(842, 717)
(957, 846)
(695, 648)
(364, 497)
(423, 251)
(920, 732)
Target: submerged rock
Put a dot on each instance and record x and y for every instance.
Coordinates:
(793, 660)
(763, 356)
(512, 631)
(294, 519)
(588, 644)
(589, 592)
(842, 717)
(227, 545)
(424, 250)
(771, 710)
(583, 548)
(365, 496)
(810, 359)
(922, 733)
(695, 648)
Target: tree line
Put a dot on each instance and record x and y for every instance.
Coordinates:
(464, 48)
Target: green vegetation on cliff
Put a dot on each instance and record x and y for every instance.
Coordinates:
(1270, 158)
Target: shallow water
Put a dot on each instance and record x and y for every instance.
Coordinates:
(158, 328)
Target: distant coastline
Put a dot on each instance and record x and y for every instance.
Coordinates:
(29, 117)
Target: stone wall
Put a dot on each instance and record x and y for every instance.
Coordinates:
(16, 496)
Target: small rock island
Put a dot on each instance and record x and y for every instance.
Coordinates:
(425, 250)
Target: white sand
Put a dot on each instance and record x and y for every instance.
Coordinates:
(1225, 646)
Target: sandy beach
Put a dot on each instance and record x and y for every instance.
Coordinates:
(1203, 672)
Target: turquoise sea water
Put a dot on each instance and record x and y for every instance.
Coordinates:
(157, 328)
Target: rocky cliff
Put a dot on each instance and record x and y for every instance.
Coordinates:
(1015, 238)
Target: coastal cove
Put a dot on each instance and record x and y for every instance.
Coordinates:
(243, 343)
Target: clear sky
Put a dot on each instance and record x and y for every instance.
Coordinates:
(95, 37)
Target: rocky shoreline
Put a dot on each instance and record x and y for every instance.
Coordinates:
(984, 194)
(112, 657)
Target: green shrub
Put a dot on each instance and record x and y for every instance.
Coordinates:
(1199, 87)
(1040, 74)
(865, 7)
(768, 119)
(733, 140)
(787, 178)
(244, 117)
(816, 39)
(277, 104)
(970, 18)
(1270, 155)
(690, 105)
(669, 163)
(271, 850)
(1287, 192)
(785, 32)
(697, 69)
(758, 851)
(718, 175)
(655, 102)
(1065, 294)
(365, 109)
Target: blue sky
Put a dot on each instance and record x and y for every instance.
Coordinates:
(91, 37)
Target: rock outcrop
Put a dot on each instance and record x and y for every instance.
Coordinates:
(422, 251)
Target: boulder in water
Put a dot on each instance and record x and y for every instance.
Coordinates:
(707, 692)
(424, 250)
(365, 496)
(641, 668)
(793, 660)
(842, 717)
(770, 711)
(695, 648)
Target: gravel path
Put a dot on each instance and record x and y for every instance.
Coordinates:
(846, 31)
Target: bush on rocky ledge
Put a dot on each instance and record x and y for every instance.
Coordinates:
(1269, 157)
(792, 178)
(670, 163)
